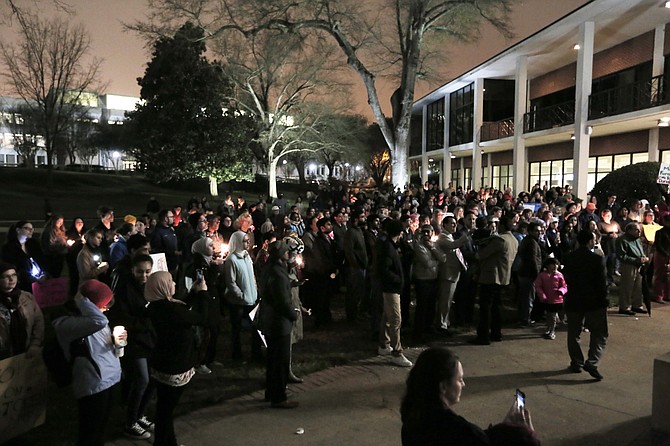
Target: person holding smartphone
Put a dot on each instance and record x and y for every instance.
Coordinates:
(434, 387)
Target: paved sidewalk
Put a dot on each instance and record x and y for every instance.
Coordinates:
(359, 404)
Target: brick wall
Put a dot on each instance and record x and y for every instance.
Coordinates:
(625, 55)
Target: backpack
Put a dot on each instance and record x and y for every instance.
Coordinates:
(59, 368)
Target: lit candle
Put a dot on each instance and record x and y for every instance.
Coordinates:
(298, 260)
(70, 242)
(433, 239)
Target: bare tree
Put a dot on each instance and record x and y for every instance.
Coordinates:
(374, 36)
(47, 69)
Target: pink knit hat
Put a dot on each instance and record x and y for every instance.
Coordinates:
(97, 292)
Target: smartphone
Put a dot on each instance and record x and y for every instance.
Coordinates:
(198, 275)
(520, 399)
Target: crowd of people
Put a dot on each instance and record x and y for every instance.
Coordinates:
(268, 263)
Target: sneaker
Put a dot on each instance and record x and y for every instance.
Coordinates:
(203, 369)
(401, 361)
(384, 351)
(552, 335)
(146, 424)
(136, 432)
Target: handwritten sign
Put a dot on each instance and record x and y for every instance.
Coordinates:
(160, 263)
(664, 174)
(51, 292)
(23, 384)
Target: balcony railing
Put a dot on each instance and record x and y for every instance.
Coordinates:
(628, 98)
(497, 130)
(549, 117)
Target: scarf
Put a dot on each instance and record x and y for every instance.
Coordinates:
(160, 286)
(18, 333)
(200, 247)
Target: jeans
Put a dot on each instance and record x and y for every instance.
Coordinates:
(596, 320)
(447, 291)
(526, 298)
(140, 389)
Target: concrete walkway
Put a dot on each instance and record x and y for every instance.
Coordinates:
(359, 404)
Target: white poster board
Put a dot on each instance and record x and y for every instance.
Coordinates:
(23, 389)
(664, 174)
(160, 263)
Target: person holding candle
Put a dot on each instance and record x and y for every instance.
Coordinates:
(54, 245)
(86, 340)
(92, 260)
(24, 252)
(130, 312)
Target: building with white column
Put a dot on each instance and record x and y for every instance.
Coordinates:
(580, 98)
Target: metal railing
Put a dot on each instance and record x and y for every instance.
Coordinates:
(628, 98)
(496, 130)
(549, 117)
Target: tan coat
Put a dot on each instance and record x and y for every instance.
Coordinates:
(496, 258)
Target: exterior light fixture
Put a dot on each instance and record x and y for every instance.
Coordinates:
(430, 160)
(667, 5)
(572, 136)
(576, 47)
(452, 156)
(284, 162)
(588, 130)
(664, 122)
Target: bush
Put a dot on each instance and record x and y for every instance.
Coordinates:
(630, 182)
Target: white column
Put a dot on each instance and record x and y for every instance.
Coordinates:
(446, 156)
(489, 169)
(657, 68)
(424, 141)
(520, 154)
(584, 77)
(477, 121)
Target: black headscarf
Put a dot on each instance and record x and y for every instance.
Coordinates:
(17, 333)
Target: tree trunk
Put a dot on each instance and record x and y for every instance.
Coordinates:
(300, 167)
(213, 187)
(399, 158)
(272, 178)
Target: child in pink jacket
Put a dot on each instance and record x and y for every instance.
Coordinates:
(550, 288)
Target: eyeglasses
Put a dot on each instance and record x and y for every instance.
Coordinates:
(28, 228)
(246, 240)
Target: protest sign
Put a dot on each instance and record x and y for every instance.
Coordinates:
(23, 384)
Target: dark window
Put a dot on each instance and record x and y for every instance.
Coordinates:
(461, 115)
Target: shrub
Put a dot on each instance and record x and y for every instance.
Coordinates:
(630, 182)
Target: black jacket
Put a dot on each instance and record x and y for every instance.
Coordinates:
(175, 351)
(130, 310)
(389, 266)
(277, 312)
(586, 276)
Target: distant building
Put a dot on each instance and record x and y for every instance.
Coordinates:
(107, 108)
(584, 96)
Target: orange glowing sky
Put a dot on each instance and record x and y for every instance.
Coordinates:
(125, 56)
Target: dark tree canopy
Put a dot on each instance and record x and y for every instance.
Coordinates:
(185, 127)
(631, 182)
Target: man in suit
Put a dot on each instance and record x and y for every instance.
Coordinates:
(495, 271)
(586, 302)
(450, 270)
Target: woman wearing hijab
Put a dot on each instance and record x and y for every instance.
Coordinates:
(24, 252)
(241, 292)
(21, 320)
(87, 341)
(175, 354)
(277, 317)
(208, 268)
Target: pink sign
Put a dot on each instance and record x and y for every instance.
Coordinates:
(51, 292)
